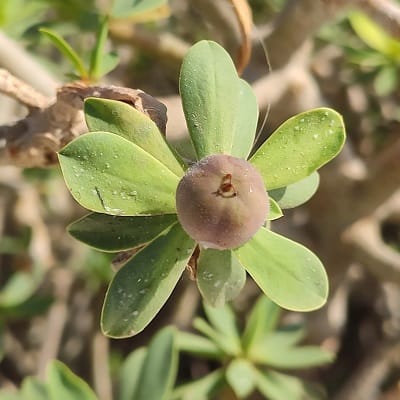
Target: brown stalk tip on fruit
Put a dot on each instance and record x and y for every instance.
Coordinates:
(222, 202)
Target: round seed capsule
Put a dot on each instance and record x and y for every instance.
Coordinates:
(221, 201)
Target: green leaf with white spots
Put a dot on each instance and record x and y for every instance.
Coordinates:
(220, 109)
(297, 193)
(109, 174)
(300, 146)
(287, 272)
(220, 277)
(112, 233)
(124, 120)
(142, 286)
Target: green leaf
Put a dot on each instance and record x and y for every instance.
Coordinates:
(275, 211)
(113, 233)
(130, 373)
(374, 36)
(220, 109)
(124, 120)
(223, 319)
(386, 80)
(272, 353)
(197, 345)
(142, 286)
(299, 147)
(246, 123)
(277, 386)
(63, 384)
(67, 50)
(108, 63)
(220, 277)
(201, 389)
(297, 193)
(240, 376)
(97, 54)
(125, 8)
(159, 369)
(33, 389)
(263, 319)
(288, 273)
(229, 347)
(20, 286)
(108, 174)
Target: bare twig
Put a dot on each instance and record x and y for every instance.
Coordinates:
(101, 370)
(20, 91)
(34, 140)
(20, 63)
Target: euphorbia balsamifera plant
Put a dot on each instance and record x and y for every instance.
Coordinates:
(213, 212)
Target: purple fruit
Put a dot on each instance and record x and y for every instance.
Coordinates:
(221, 201)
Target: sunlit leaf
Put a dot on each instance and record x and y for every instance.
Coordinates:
(220, 109)
(197, 345)
(63, 384)
(288, 273)
(300, 146)
(277, 386)
(373, 35)
(220, 277)
(201, 389)
(67, 50)
(129, 376)
(240, 376)
(109, 174)
(124, 120)
(297, 193)
(263, 319)
(275, 211)
(142, 286)
(159, 368)
(113, 233)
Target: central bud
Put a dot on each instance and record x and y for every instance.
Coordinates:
(221, 201)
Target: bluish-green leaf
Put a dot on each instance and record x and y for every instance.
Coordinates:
(158, 372)
(220, 109)
(240, 376)
(109, 174)
(299, 147)
(124, 120)
(197, 345)
(63, 384)
(275, 211)
(246, 121)
(288, 273)
(113, 233)
(220, 277)
(297, 193)
(129, 377)
(277, 386)
(142, 286)
(263, 319)
(125, 8)
(201, 389)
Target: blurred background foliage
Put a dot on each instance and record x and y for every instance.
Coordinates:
(52, 288)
